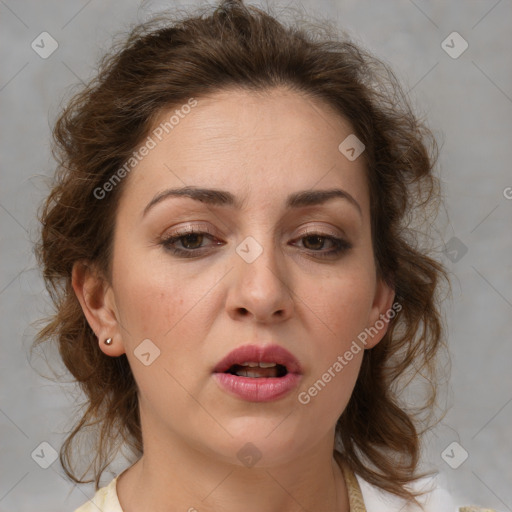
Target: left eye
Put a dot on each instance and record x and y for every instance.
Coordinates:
(316, 241)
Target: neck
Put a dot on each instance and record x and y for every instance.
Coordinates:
(177, 475)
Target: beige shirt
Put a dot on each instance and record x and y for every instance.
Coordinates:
(363, 497)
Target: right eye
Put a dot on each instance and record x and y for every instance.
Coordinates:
(190, 241)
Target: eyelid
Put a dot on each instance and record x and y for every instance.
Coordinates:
(308, 230)
(322, 230)
(188, 228)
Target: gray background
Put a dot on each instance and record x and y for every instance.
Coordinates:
(468, 103)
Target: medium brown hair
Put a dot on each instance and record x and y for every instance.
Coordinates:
(161, 64)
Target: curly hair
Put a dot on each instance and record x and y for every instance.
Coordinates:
(162, 63)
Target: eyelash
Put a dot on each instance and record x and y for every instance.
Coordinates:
(340, 245)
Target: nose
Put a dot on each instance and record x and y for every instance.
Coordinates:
(259, 290)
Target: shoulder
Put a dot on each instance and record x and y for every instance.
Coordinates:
(105, 500)
(435, 498)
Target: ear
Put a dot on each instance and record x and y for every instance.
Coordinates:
(97, 300)
(381, 313)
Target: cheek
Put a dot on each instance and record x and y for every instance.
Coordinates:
(343, 305)
(175, 311)
(149, 299)
(325, 395)
(154, 305)
(148, 306)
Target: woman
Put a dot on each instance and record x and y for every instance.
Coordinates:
(236, 289)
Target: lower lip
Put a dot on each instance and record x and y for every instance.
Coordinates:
(258, 389)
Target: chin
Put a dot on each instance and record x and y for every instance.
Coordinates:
(256, 442)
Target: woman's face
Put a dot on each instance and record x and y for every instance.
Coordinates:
(264, 269)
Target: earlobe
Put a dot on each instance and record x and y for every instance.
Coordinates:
(382, 312)
(93, 293)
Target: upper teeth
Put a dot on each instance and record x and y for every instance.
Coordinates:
(252, 364)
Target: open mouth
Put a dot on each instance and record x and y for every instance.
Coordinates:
(258, 373)
(259, 370)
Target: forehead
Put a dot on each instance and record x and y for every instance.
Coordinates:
(255, 144)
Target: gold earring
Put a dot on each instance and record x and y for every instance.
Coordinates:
(108, 341)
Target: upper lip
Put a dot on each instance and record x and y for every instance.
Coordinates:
(259, 354)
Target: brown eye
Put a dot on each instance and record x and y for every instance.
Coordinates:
(192, 240)
(190, 243)
(315, 242)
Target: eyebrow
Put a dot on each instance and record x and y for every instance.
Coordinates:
(224, 198)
